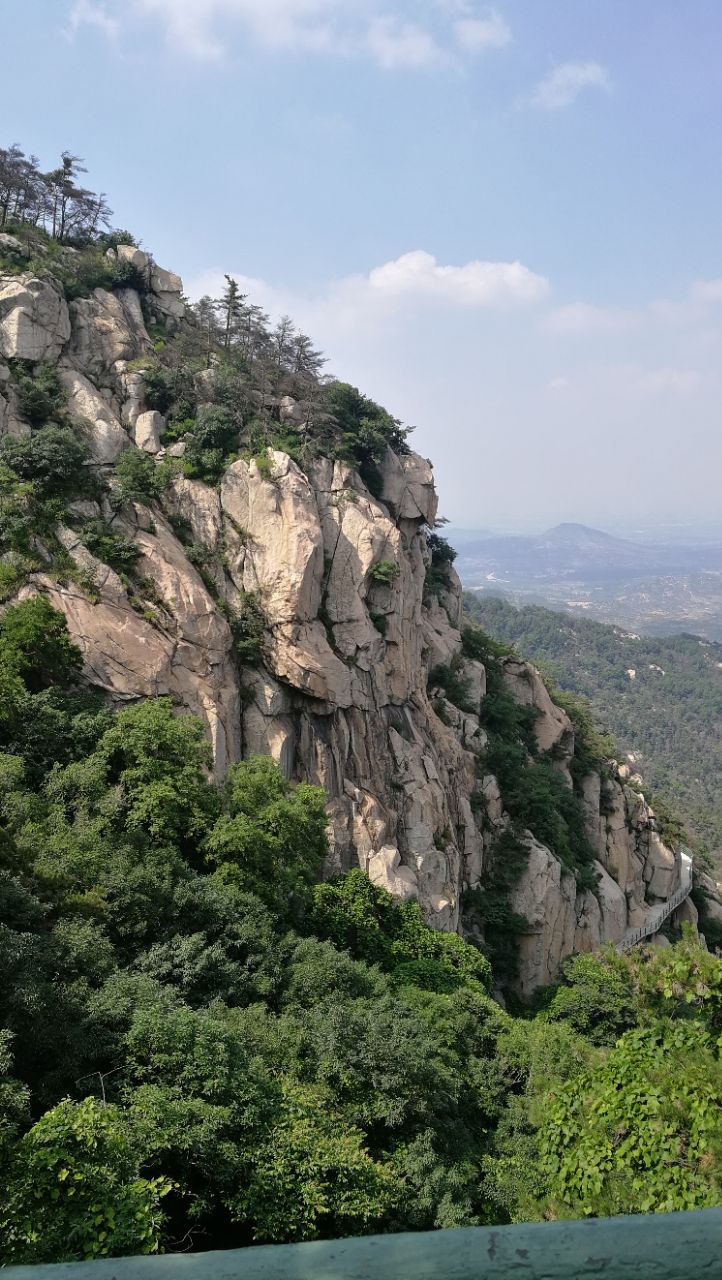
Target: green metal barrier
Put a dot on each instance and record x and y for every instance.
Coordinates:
(674, 1246)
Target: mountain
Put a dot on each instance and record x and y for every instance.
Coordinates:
(575, 550)
(659, 697)
(272, 580)
(656, 589)
(284, 843)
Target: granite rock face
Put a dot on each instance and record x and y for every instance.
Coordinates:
(34, 320)
(340, 697)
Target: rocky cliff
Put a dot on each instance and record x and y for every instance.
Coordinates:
(348, 636)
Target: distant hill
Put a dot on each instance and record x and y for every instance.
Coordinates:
(659, 589)
(659, 697)
(575, 550)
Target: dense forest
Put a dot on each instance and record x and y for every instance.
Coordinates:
(202, 1045)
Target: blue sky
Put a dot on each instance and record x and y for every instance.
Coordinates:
(502, 221)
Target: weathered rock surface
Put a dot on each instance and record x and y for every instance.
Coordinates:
(107, 328)
(336, 575)
(34, 320)
(148, 429)
(102, 429)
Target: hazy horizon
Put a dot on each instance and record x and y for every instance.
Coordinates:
(502, 222)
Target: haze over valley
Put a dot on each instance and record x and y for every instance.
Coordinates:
(654, 588)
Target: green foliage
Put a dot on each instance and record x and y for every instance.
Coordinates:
(670, 720)
(137, 478)
(112, 548)
(365, 432)
(264, 465)
(367, 921)
(39, 473)
(488, 906)
(88, 269)
(212, 444)
(73, 1192)
(443, 555)
(247, 623)
(40, 394)
(157, 387)
(271, 839)
(384, 572)
(35, 645)
(455, 685)
(596, 997)
(641, 1132)
(51, 459)
(312, 1175)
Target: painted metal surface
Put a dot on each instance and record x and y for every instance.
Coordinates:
(674, 1246)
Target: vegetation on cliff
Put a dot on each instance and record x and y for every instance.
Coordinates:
(660, 698)
(203, 1047)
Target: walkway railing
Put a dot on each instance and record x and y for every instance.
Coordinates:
(658, 915)
(664, 1246)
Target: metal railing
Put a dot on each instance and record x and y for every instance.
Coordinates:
(665, 1246)
(658, 915)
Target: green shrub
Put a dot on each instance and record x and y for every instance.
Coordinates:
(74, 1190)
(443, 555)
(247, 623)
(365, 432)
(82, 272)
(264, 465)
(53, 459)
(456, 686)
(157, 388)
(35, 645)
(488, 906)
(112, 548)
(384, 572)
(137, 478)
(41, 395)
(212, 444)
(639, 1133)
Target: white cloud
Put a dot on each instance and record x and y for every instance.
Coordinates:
(706, 291)
(585, 318)
(663, 381)
(414, 279)
(379, 30)
(85, 13)
(477, 34)
(555, 385)
(419, 275)
(192, 25)
(562, 86)
(393, 43)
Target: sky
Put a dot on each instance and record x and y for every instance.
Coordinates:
(502, 222)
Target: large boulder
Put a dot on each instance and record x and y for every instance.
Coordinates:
(148, 429)
(278, 541)
(104, 434)
(108, 331)
(167, 290)
(553, 729)
(545, 895)
(407, 487)
(34, 320)
(178, 646)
